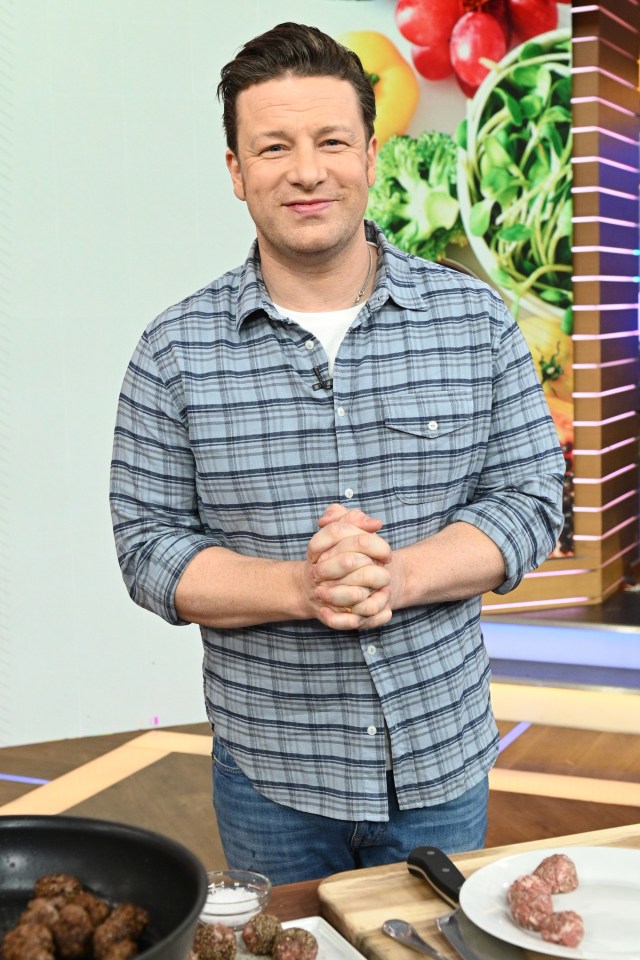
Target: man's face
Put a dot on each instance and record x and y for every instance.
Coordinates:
(303, 165)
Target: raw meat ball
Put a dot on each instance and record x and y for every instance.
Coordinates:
(558, 872)
(214, 941)
(295, 943)
(29, 941)
(565, 927)
(530, 901)
(57, 885)
(260, 932)
(72, 932)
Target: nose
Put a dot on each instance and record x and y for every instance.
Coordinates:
(307, 168)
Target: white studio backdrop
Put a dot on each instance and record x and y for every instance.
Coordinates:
(115, 204)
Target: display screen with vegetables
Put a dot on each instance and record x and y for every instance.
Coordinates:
(518, 175)
(414, 198)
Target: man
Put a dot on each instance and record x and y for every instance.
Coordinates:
(324, 458)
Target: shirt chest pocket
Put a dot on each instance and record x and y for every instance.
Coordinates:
(430, 445)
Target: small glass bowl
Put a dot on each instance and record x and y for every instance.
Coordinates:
(235, 897)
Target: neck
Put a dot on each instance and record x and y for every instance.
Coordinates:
(321, 285)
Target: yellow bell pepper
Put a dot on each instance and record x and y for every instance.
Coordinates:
(395, 84)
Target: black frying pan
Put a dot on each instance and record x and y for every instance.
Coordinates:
(114, 861)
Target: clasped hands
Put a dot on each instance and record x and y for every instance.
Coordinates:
(350, 569)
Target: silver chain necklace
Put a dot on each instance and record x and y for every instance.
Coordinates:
(362, 289)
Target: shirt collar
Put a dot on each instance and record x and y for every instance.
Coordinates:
(394, 279)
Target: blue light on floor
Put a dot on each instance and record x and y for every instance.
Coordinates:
(14, 778)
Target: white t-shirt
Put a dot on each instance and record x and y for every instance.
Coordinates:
(329, 327)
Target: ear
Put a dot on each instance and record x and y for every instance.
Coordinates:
(233, 167)
(372, 153)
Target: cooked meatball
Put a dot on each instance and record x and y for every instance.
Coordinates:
(295, 943)
(214, 941)
(565, 927)
(28, 941)
(40, 910)
(530, 901)
(131, 918)
(125, 922)
(72, 932)
(558, 872)
(97, 909)
(122, 950)
(57, 885)
(260, 932)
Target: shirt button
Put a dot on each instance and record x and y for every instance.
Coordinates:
(371, 648)
(341, 411)
(348, 493)
(433, 424)
(309, 344)
(372, 730)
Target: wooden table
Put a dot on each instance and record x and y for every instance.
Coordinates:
(357, 902)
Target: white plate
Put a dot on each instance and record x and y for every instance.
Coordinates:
(607, 899)
(331, 946)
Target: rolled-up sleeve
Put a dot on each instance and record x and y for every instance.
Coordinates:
(153, 496)
(518, 499)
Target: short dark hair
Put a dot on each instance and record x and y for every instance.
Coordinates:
(291, 49)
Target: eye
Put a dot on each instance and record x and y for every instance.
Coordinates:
(333, 142)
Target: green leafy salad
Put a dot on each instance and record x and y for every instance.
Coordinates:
(518, 164)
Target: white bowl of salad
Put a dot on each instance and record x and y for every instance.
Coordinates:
(515, 176)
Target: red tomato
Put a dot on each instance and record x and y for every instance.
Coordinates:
(499, 10)
(432, 63)
(427, 22)
(531, 17)
(474, 36)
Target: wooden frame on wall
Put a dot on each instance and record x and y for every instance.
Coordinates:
(606, 261)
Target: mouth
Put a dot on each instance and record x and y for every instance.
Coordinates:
(309, 207)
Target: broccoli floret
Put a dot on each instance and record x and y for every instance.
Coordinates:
(414, 198)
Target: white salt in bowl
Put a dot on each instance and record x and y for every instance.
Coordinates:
(235, 897)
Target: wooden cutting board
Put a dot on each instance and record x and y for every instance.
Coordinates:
(357, 903)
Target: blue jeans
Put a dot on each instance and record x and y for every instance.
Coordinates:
(289, 845)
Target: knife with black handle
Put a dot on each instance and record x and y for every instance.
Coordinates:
(470, 942)
(436, 868)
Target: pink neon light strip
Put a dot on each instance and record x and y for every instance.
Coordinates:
(617, 223)
(607, 506)
(600, 423)
(536, 603)
(595, 248)
(605, 133)
(607, 13)
(604, 73)
(594, 538)
(607, 163)
(605, 393)
(554, 573)
(607, 191)
(604, 278)
(606, 103)
(606, 365)
(614, 446)
(590, 481)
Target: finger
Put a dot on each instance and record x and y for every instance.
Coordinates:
(368, 576)
(354, 516)
(345, 537)
(368, 545)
